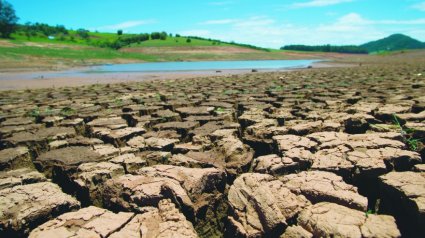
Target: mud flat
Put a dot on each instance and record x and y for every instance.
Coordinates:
(74, 77)
(333, 152)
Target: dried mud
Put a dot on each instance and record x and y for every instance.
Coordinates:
(334, 152)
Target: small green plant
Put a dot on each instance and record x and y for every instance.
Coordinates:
(219, 110)
(34, 113)
(406, 133)
(67, 111)
(118, 102)
(369, 212)
(231, 92)
(48, 111)
(277, 88)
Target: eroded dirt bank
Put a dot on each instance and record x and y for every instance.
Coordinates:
(317, 153)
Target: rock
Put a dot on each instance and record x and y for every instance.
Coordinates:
(375, 141)
(403, 195)
(326, 140)
(333, 160)
(38, 140)
(161, 144)
(419, 168)
(186, 147)
(177, 126)
(274, 165)
(319, 186)
(186, 161)
(296, 232)
(65, 159)
(167, 115)
(117, 137)
(17, 121)
(87, 222)
(164, 221)
(137, 142)
(312, 127)
(169, 134)
(261, 206)
(9, 179)
(154, 157)
(237, 156)
(182, 128)
(288, 142)
(106, 150)
(184, 186)
(378, 161)
(24, 207)
(89, 179)
(83, 141)
(333, 220)
(387, 111)
(195, 111)
(357, 123)
(14, 158)
(251, 117)
(58, 144)
(206, 159)
(194, 181)
(7, 131)
(130, 162)
(111, 123)
(52, 120)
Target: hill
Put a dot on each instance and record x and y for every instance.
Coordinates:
(43, 47)
(393, 43)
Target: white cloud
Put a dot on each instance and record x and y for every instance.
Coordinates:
(318, 3)
(420, 21)
(420, 6)
(348, 29)
(126, 25)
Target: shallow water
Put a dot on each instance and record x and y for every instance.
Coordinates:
(202, 65)
(148, 70)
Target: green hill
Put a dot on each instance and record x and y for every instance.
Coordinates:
(393, 43)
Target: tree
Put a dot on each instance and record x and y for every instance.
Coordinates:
(8, 19)
(188, 40)
(83, 33)
(119, 32)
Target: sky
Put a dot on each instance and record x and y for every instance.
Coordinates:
(265, 23)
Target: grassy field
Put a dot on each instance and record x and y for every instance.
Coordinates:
(41, 53)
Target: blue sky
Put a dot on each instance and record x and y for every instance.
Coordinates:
(267, 23)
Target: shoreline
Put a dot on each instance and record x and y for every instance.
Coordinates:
(22, 81)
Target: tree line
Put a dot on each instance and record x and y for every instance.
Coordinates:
(352, 49)
(218, 42)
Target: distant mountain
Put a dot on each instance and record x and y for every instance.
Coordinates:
(392, 43)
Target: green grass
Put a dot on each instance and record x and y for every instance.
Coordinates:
(411, 142)
(69, 53)
(73, 49)
(178, 41)
(97, 36)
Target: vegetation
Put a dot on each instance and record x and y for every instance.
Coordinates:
(71, 53)
(218, 42)
(352, 49)
(8, 19)
(393, 43)
(408, 135)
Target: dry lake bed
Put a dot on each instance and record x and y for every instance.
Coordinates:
(331, 152)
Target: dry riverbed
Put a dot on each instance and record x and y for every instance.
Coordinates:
(331, 152)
